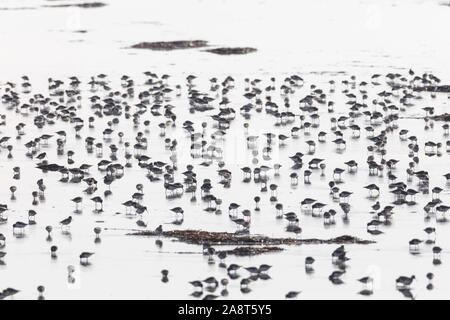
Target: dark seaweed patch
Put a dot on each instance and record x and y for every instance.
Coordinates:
(171, 45)
(225, 238)
(230, 51)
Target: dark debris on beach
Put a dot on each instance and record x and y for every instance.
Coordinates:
(85, 5)
(171, 45)
(231, 51)
(442, 117)
(225, 238)
(434, 88)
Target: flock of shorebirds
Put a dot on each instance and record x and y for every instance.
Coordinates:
(148, 106)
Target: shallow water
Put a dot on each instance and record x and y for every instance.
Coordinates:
(354, 36)
(306, 38)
